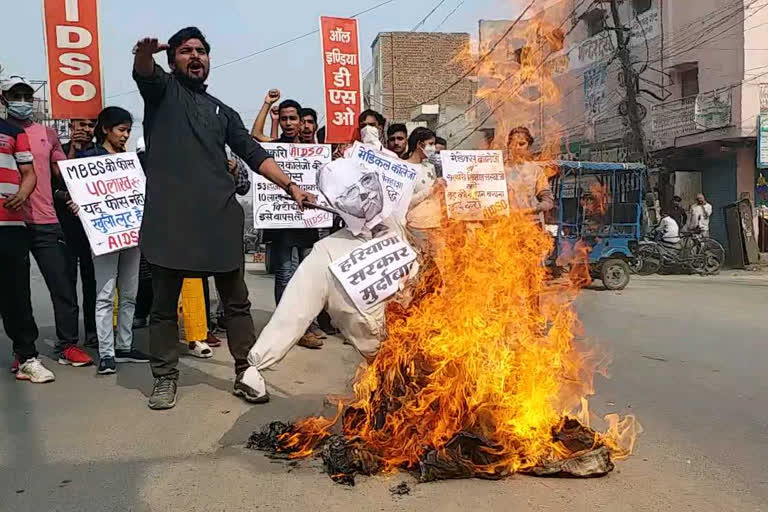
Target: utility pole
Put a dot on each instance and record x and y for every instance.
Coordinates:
(635, 137)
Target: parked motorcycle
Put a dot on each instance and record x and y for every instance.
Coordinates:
(694, 254)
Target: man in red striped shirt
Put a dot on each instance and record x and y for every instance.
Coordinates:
(17, 181)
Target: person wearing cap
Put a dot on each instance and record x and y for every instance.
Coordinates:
(677, 211)
(81, 132)
(47, 241)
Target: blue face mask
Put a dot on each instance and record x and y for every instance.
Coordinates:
(20, 110)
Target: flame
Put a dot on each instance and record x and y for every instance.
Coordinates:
(485, 342)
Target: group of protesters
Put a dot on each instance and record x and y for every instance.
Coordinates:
(196, 154)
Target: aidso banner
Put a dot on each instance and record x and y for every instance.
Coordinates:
(74, 61)
(341, 77)
(272, 209)
(109, 190)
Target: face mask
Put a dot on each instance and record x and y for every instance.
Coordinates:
(430, 151)
(370, 135)
(20, 109)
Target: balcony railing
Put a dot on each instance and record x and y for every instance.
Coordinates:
(687, 116)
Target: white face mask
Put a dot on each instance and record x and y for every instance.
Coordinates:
(370, 135)
(430, 151)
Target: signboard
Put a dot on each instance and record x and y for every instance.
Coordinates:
(373, 272)
(74, 60)
(594, 92)
(109, 190)
(713, 110)
(476, 184)
(271, 207)
(764, 99)
(762, 142)
(341, 77)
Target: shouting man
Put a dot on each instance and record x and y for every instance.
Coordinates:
(308, 126)
(193, 225)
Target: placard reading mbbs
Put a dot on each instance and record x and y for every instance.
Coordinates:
(300, 162)
(109, 190)
(373, 272)
(476, 184)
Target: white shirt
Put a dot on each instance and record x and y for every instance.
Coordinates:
(700, 214)
(670, 231)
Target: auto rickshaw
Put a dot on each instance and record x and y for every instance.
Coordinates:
(600, 205)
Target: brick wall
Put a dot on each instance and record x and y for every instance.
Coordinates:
(416, 66)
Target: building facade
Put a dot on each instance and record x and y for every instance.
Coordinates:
(417, 79)
(700, 65)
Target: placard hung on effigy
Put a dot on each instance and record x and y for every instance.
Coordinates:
(271, 207)
(476, 184)
(109, 190)
(397, 178)
(373, 272)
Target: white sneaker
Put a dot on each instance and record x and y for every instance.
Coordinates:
(34, 371)
(200, 349)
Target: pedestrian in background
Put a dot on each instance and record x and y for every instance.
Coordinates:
(701, 211)
(397, 140)
(677, 212)
(117, 273)
(17, 181)
(47, 241)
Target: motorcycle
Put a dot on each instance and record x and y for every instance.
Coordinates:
(694, 253)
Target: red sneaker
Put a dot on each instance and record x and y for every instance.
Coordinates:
(15, 365)
(74, 356)
(212, 340)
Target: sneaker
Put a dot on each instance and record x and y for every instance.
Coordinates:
(248, 393)
(34, 371)
(139, 323)
(131, 356)
(74, 356)
(163, 394)
(15, 365)
(309, 340)
(107, 365)
(212, 340)
(200, 349)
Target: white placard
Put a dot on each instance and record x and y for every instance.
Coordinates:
(368, 187)
(373, 272)
(476, 184)
(300, 162)
(109, 190)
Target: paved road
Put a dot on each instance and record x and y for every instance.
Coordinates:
(690, 360)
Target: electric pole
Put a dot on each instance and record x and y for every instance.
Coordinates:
(635, 138)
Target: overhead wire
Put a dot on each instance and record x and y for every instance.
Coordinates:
(430, 13)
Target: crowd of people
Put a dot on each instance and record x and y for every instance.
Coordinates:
(196, 154)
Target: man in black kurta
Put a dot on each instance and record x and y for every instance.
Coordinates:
(193, 225)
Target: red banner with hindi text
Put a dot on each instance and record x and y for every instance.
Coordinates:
(74, 61)
(341, 76)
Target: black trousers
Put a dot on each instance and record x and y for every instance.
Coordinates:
(80, 256)
(51, 253)
(163, 323)
(15, 299)
(143, 299)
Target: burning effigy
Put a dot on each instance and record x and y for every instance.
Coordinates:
(480, 375)
(481, 371)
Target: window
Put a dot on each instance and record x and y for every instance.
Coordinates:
(595, 20)
(689, 82)
(640, 6)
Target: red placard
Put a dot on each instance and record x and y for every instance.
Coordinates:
(74, 61)
(341, 75)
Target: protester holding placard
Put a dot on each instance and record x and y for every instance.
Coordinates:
(527, 183)
(116, 272)
(47, 241)
(193, 225)
(421, 146)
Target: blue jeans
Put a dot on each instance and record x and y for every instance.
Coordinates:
(286, 258)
